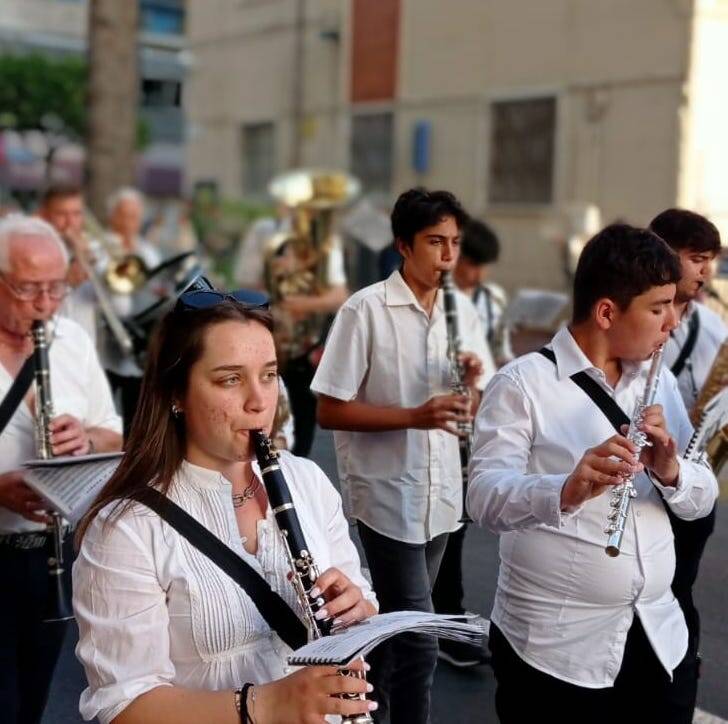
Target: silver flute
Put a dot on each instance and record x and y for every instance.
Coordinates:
(457, 378)
(622, 494)
(57, 606)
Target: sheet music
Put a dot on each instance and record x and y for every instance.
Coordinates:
(535, 308)
(70, 484)
(715, 417)
(342, 648)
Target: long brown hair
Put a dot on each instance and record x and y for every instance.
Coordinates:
(157, 440)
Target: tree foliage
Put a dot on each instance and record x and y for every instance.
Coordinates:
(32, 87)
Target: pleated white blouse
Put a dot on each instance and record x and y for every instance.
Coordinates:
(153, 611)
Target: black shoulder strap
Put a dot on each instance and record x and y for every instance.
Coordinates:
(687, 348)
(599, 396)
(271, 606)
(15, 394)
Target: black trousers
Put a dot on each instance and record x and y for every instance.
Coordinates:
(298, 374)
(641, 693)
(129, 389)
(403, 668)
(29, 648)
(690, 539)
(447, 594)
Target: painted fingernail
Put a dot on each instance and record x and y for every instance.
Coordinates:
(367, 667)
(373, 706)
(321, 614)
(370, 688)
(338, 621)
(315, 592)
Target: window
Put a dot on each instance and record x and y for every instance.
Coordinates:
(165, 17)
(371, 151)
(258, 157)
(522, 151)
(161, 93)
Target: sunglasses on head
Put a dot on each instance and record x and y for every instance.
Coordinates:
(207, 298)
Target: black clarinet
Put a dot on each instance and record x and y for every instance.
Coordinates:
(304, 570)
(457, 379)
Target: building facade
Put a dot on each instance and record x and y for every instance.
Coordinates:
(534, 113)
(55, 28)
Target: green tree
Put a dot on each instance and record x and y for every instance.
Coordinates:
(36, 90)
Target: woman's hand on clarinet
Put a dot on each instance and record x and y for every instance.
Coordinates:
(308, 695)
(345, 603)
(69, 436)
(600, 467)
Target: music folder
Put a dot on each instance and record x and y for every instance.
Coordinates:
(69, 484)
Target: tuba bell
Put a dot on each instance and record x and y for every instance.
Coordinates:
(296, 261)
(717, 447)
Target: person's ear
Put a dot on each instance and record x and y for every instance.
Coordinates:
(605, 312)
(403, 248)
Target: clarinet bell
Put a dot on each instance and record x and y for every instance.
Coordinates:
(58, 607)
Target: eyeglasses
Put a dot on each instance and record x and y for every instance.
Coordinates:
(208, 298)
(30, 291)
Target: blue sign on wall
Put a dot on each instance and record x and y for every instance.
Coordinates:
(421, 146)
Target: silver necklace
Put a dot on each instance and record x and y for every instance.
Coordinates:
(240, 499)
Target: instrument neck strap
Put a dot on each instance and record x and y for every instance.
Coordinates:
(16, 393)
(276, 612)
(599, 396)
(687, 348)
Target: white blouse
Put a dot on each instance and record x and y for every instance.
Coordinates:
(153, 611)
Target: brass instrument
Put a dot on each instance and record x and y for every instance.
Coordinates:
(296, 262)
(58, 607)
(622, 494)
(717, 447)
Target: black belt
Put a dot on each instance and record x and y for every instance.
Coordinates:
(27, 541)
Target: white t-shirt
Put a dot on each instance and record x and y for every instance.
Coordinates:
(152, 610)
(384, 350)
(78, 387)
(562, 603)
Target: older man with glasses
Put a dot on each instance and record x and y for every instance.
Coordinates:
(33, 273)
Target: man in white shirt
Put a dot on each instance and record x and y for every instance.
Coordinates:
(690, 352)
(125, 208)
(33, 271)
(384, 387)
(575, 634)
(479, 251)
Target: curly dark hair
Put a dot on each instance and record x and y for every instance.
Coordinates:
(419, 208)
(683, 229)
(620, 263)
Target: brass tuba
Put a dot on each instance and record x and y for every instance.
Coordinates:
(296, 262)
(717, 447)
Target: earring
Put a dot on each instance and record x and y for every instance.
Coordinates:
(176, 411)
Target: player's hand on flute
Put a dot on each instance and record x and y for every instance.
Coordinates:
(345, 603)
(600, 468)
(442, 412)
(307, 696)
(661, 457)
(69, 436)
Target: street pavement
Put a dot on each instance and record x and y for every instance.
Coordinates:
(464, 697)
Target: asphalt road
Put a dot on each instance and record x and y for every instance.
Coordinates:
(464, 697)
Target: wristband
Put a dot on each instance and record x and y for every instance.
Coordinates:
(241, 703)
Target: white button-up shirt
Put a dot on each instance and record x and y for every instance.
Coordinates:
(152, 610)
(385, 350)
(78, 387)
(561, 602)
(712, 332)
